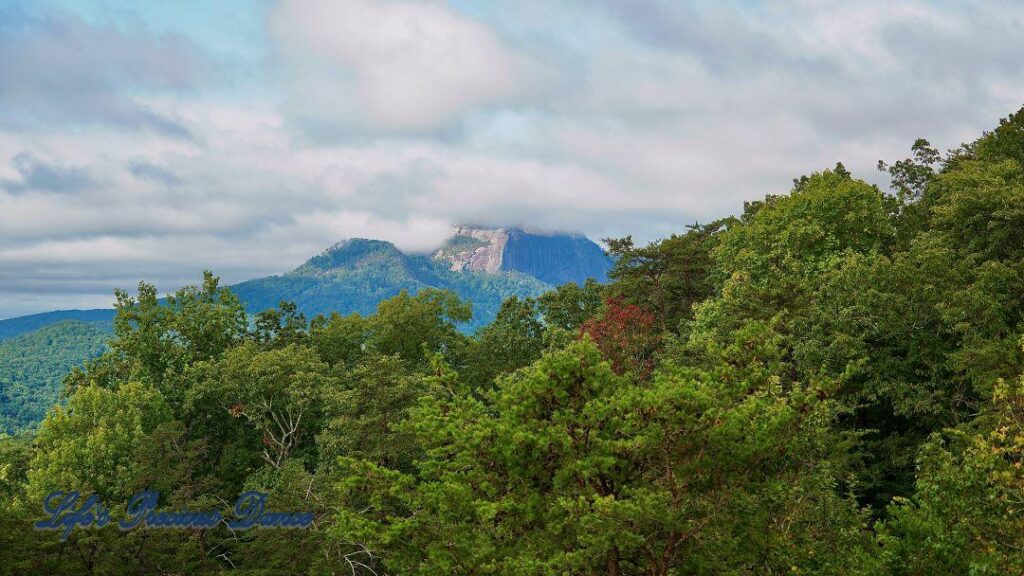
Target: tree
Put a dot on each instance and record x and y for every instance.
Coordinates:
(280, 326)
(91, 444)
(514, 339)
(413, 327)
(278, 392)
(155, 342)
(568, 468)
(666, 277)
(1006, 142)
(570, 305)
(627, 336)
(911, 176)
(340, 340)
(365, 416)
(965, 516)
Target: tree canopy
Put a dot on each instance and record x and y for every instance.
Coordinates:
(827, 383)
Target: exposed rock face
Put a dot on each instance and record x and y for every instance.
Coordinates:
(472, 248)
(555, 258)
(551, 258)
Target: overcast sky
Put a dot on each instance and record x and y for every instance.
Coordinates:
(152, 139)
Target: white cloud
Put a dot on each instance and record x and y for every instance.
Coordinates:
(391, 66)
(59, 70)
(394, 119)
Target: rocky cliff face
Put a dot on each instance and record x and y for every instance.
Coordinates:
(550, 257)
(476, 249)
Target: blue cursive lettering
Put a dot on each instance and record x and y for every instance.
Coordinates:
(60, 507)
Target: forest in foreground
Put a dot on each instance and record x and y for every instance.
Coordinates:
(828, 383)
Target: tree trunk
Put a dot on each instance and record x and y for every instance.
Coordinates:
(613, 561)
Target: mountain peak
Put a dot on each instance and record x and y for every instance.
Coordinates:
(351, 254)
(552, 257)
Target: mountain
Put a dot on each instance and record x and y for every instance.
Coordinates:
(551, 258)
(483, 265)
(33, 365)
(11, 327)
(355, 275)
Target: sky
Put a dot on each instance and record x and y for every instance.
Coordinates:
(149, 140)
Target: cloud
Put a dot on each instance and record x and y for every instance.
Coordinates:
(39, 175)
(391, 67)
(726, 39)
(147, 171)
(123, 158)
(59, 70)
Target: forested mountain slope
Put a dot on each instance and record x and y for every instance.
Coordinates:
(10, 327)
(33, 365)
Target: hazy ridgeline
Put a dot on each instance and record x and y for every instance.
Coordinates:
(828, 383)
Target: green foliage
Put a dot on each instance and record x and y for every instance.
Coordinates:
(278, 392)
(666, 277)
(415, 327)
(570, 305)
(280, 326)
(965, 516)
(156, 342)
(567, 467)
(513, 340)
(911, 176)
(367, 411)
(827, 384)
(1006, 142)
(90, 444)
(339, 339)
(791, 238)
(33, 366)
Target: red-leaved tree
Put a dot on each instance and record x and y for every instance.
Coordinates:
(626, 335)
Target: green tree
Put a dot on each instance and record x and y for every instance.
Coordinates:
(965, 516)
(413, 327)
(568, 468)
(91, 444)
(280, 326)
(666, 277)
(366, 413)
(278, 392)
(570, 305)
(340, 340)
(514, 339)
(156, 342)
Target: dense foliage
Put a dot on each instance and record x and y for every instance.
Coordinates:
(33, 365)
(829, 383)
